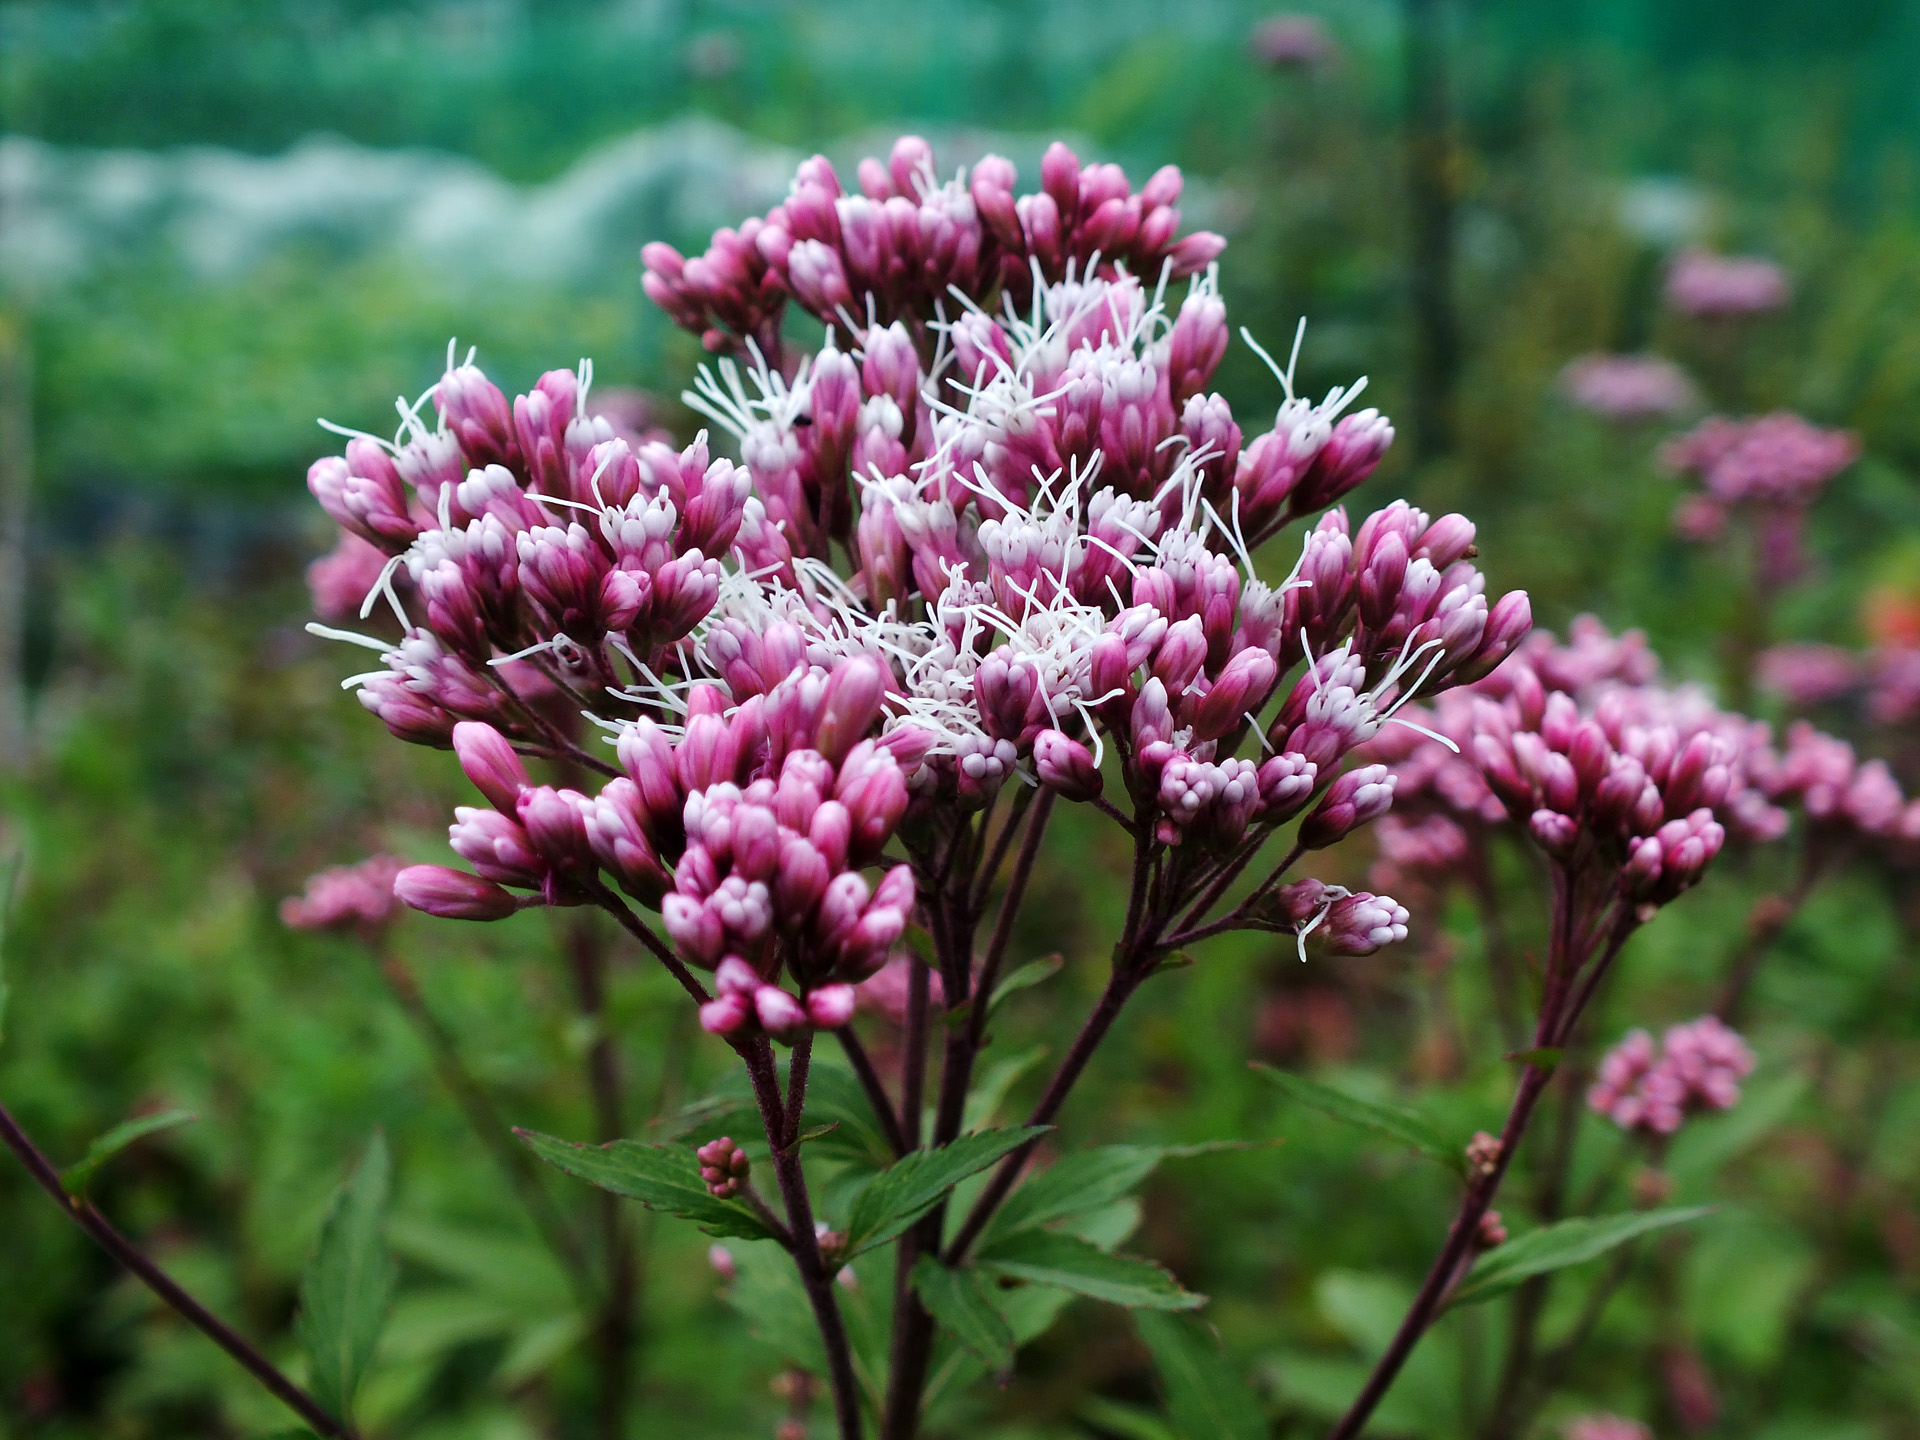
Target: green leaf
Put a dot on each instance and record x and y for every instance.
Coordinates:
(660, 1177)
(815, 1132)
(10, 870)
(958, 1303)
(1130, 1422)
(1089, 1180)
(915, 1183)
(1034, 972)
(1571, 1242)
(1045, 1258)
(75, 1177)
(993, 1086)
(1207, 1396)
(1546, 1057)
(347, 1285)
(1404, 1127)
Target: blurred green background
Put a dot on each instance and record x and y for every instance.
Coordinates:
(221, 220)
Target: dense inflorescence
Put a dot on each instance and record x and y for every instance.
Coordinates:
(1050, 524)
(1770, 469)
(1697, 1066)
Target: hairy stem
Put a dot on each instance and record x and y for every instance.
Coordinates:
(870, 1082)
(758, 1055)
(135, 1262)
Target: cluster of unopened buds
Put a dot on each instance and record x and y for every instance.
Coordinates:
(1709, 286)
(1773, 467)
(1649, 1087)
(1841, 796)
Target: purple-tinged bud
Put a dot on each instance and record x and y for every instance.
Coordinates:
(646, 755)
(832, 1006)
(556, 824)
(1181, 654)
(1354, 799)
(478, 414)
(1195, 348)
(496, 846)
(1286, 782)
(694, 928)
(832, 833)
(1152, 720)
(452, 894)
(875, 794)
(734, 976)
(1641, 873)
(1065, 766)
(850, 706)
(616, 831)
(1243, 687)
(802, 879)
(780, 1014)
(723, 1166)
(1447, 540)
(1191, 254)
(1060, 179)
(1559, 785)
(488, 759)
(1378, 590)
(755, 840)
(1350, 455)
(727, 1015)
(1362, 923)
(1554, 832)
(991, 186)
(1508, 623)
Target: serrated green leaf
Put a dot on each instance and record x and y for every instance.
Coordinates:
(75, 1177)
(959, 1305)
(915, 1183)
(348, 1285)
(1404, 1127)
(660, 1177)
(815, 1132)
(1207, 1395)
(1046, 1258)
(1034, 972)
(834, 1097)
(1570, 1242)
(1089, 1180)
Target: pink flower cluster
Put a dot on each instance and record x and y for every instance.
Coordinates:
(1720, 286)
(1628, 387)
(1807, 675)
(1293, 42)
(1838, 793)
(1773, 467)
(898, 246)
(1607, 771)
(1050, 525)
(1698, 1066)
(346, 897)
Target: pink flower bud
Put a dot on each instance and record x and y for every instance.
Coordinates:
(779, 1013)
(1242, 688)
(1285, 781)
(496, 846)
(452, 894)
(490, 763)
(1354, 799)
(1360, 924)
(1065, 766)
(849, 708)
(1554, 832)
(556, 824)
(832, 1006)
(1198, 342)
(727, 1015)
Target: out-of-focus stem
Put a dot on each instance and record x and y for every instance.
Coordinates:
(613, 1326)
(136, 1263)
(877, 1097)
(1430, 202)
(1770, 915)
(758, 1055)
(484, 1119)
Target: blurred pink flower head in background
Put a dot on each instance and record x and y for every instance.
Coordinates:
(1699, 1066)
(1628, 387)
(346, 897)
(1606, 1427)
(1774, 466)
(1807, 674)
(1717, 286)
(1293, 42)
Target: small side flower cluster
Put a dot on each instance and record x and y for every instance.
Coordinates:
(1719, 287)
(1607, 772)
(1628, 387)
(1809, 675)
(1772, 468)
(1841, 796)
(1698, 1066)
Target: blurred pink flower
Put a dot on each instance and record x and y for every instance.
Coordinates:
(346, 897)
(340, 579)
(1606, 1427)
(1293, 42)
(1627, 387)
(1893, 694)
(1710, 285)
(1805, 675)
(1698, 1066)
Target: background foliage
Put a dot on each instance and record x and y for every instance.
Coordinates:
(193, 758)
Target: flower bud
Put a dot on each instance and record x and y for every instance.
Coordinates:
(1065, 766)
(831, 1006)
(452, 894)
(1354, 799)
(490, 763)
